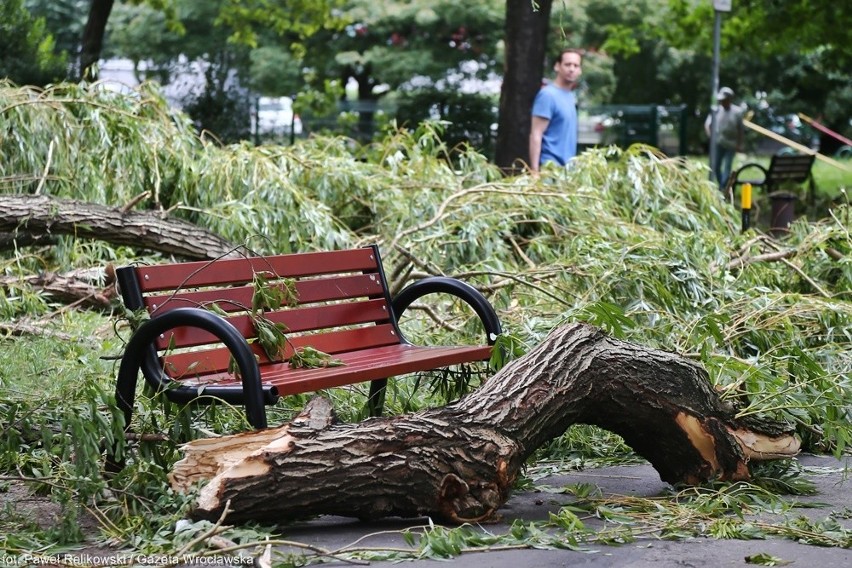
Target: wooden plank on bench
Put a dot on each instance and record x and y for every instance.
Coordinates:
(787, 167)
(359, 366)
(296, 321)
(239, 298)
(196, 363)
(233, 271)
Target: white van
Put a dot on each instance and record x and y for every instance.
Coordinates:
(274, 116)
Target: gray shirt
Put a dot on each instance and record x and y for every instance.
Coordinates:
(729, 125)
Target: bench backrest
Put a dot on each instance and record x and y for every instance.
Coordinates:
(789, 167)
(341, 303)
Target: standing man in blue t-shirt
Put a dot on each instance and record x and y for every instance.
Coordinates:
(553, 135)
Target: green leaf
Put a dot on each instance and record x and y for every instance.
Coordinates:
(308, 357)
(766, 559)
(271, 336)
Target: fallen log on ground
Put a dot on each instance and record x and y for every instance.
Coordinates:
(91, 289)
(458, 463)
(33, 216)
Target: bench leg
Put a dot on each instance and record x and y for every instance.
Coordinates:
(125, 397)
(376, 402)
(125, 393)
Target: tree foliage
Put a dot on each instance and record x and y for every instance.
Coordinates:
(408, 50)
(401, 41)
(144, 145)
(193, 50)
(766, 29)
(798, 51)
(65, 19)
(300, 18)
(27, 49)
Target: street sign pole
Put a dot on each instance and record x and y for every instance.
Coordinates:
(719, 6)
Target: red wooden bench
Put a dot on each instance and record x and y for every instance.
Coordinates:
(342, 307)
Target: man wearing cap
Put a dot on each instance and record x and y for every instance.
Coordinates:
(729, 134)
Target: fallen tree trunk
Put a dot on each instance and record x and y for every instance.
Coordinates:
(34, 216)
(30, 327)
(459, 462)
(92, 289)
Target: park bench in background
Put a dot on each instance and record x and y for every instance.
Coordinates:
(784, 170)
(339, 304)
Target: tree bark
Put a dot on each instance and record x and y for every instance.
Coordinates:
(526, 42)
(36, 215)
(459, 462)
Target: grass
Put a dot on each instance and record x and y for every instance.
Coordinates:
(833, 182)
(48, 367)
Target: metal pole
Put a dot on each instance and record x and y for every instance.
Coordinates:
(292, 120)
(717, 35)
(256, 120)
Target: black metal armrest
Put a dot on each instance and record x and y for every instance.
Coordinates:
(139, 355)
(462, 290)
(735, 177)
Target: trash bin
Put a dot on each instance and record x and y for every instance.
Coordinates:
(783, 212)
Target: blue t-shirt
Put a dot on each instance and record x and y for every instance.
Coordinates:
(559, 143)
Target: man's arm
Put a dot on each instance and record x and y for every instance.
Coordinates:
(539, 125)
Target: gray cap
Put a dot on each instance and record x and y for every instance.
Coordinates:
(725, 93)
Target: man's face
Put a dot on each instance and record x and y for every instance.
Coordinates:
(569, 68)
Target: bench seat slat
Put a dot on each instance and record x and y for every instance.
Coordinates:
(789, 168)
(787, 176)
(298, 320)
(363, 365)
(192, 363)
(242, 270)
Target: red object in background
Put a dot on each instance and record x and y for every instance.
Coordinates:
(825, 130)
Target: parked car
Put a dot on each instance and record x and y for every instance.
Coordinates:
(596, 129)
(273, 116)
(623, 125)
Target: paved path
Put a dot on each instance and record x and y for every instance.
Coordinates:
(828, 474)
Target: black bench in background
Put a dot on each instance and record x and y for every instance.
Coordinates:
(784, 170)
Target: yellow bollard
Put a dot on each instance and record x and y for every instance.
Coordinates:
(745, 205)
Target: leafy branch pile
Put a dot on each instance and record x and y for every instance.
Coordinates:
(632, 241)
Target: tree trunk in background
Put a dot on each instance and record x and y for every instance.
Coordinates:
(459, 462)
(526, 44)
(93, 38)
(366, 97)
